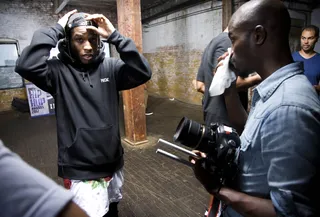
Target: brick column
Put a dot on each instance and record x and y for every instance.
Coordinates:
(129, 25)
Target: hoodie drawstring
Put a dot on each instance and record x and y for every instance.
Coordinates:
(89, 79)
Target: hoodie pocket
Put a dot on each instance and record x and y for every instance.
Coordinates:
(93, 146)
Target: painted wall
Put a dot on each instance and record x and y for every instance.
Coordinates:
(174, 44)
(19, 19)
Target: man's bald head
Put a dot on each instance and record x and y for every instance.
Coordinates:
(271, 14)
(258, 29)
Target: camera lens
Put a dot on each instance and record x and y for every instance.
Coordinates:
(192, 134)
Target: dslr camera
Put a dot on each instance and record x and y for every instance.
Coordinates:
(220, 143)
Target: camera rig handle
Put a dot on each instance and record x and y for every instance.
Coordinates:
(175, 157)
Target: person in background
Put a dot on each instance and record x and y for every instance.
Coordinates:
(214, 109)
(309, 57)
(146, 96)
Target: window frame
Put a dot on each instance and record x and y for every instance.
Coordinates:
(16, 43)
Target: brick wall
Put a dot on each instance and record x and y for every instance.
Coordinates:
(19, 19)
(174, 68)
(174, 44)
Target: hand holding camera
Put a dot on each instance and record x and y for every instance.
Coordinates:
(215, 164)
(205, 172)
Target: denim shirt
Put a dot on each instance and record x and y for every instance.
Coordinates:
(280, 145)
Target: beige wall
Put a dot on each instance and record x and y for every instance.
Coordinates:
(174, 44)
(174, 68)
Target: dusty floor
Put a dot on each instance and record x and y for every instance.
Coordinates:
(154, 185)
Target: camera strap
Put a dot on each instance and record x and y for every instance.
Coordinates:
(222, 206)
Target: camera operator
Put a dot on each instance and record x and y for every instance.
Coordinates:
(278, 159)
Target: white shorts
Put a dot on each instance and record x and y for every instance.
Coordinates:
(95, 196)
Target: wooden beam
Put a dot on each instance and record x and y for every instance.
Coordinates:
(56, 4)
(62, 5)
(129, 23)
(226, 13)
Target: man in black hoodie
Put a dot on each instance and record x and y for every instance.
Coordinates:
(85, 87)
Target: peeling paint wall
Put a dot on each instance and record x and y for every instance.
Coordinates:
(21, 18)
(174, 44)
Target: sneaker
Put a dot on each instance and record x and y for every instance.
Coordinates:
(149, 113)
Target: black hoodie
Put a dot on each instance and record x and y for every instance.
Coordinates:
(86, 98)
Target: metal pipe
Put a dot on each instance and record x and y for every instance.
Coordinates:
(186, 151)
(174, 157)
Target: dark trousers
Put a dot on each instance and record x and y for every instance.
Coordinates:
(243, 95)
(113, 210)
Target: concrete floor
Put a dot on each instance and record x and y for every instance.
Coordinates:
(154, 185)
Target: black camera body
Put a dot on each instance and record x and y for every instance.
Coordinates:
(221, 144)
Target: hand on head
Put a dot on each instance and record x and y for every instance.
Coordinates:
(64, 20)
(105, 27)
